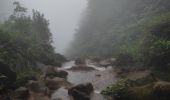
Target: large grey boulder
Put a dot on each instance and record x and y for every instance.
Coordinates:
(21, 93)
(52, 72)
(7, 76)
(37, 87)
(81, 91)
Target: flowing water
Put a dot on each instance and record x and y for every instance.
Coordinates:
(100, 78)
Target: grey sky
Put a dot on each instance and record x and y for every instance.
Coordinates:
(63, 15)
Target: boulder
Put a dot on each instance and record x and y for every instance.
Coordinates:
(95, 59)
(144, 89)
(7, 76)
(57, 99)
(79, 61)
(56, 83)
(124, 59)
(21, 93)
(159, 90)
(162, 89)
(81, 68)
(37, 87)
(52, 72)
(81, 91)
(62, 73)
(23, 80)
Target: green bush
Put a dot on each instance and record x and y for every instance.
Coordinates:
(156, 42)
(124, 59)
(27, 74)
(119, 90)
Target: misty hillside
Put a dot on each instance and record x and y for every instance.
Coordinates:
(113, 27)
(120, 50)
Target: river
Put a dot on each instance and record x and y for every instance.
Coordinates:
(100, 78)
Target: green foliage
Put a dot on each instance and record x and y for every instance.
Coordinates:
(156, 42)
(136, 28)
(53, 75)
(124, 60)
(120, 89)
(147, 91)
(112, 27)
(120, 86)
(25, 40)
(163, 75)
(27, 74)
(139, 89)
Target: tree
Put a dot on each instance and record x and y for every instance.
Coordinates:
(26, 40)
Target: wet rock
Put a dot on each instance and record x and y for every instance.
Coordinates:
(155, 91)
(79, 61)
(124, 59)
(98, 75)
(22, 81)
(141, 89)
(7, 76)
(81, 68)
(56, 83)
(37, 87)
(162, 89)
(52, 72)
(62, 73)
(105, 63)
(81, 92)
(95, 59)
(21, 93)
(150, 78)
(118, 90)
(57, 99)
(4, 94)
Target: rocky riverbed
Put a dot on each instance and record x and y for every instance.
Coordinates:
(89, 80)
(100, 77)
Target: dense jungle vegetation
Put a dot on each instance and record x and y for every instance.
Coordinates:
(25, 42)
(137, 34)
(121, 51)
(137, 30)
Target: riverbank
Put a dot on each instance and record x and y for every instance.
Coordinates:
(106, 81)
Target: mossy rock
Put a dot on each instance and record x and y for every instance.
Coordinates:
(145, 92)
(120, 90)
(21, 93)
(128, 90)
(162, 90)
(145, 80)
(61, 74)
(56, 83)
(22, 81)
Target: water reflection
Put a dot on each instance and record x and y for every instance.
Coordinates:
(100, 78)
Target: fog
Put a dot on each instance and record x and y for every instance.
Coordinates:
(63, 15)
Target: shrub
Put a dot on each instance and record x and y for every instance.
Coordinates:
(120, 90)
(124, 59)
(27, 74)
(156, 43)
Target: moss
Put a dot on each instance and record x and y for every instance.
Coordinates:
(163, 75)
(119, 90)
(140, 89)
(143, 92)
(27, 74)
(53, 75)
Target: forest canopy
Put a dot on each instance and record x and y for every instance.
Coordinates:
(26, 40)
(137, 29)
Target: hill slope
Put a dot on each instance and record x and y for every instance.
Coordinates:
(112, 27)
